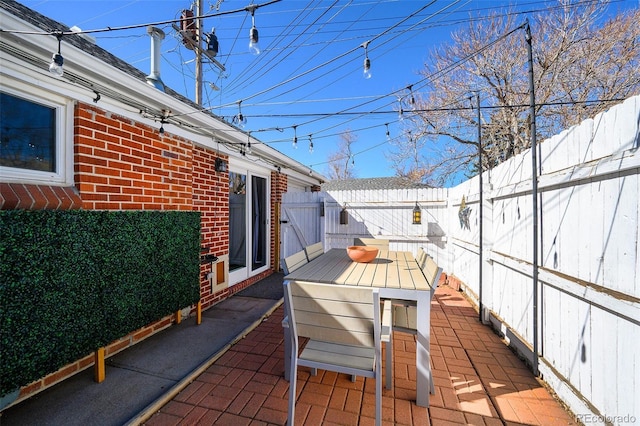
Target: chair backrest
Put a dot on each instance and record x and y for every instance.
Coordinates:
(293, 262)
(432, 272)
(375, 242)
(421, 257)
(314, 250)
(333, 313)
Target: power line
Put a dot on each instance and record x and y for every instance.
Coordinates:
(135, 26)
(393, 32)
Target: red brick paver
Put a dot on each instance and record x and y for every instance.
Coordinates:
(478, 381)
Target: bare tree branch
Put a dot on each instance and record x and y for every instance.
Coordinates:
(579, 59)
(341, 163)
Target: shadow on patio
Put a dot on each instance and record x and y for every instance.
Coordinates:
(478, 381)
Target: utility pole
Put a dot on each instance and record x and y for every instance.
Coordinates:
(534, 192)
(480, 218)
(192, 37)
(198, 53)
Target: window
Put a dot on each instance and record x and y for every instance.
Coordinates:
(27, 134)
(33, 137)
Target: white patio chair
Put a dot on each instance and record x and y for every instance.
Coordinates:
(343, 326)
(290, 264)
(314, 250)
(404, 313)
(293, 262)
(375, 242)
(421, 256)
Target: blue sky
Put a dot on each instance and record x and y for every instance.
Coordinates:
(308, 80)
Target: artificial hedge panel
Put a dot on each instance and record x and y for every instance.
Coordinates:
(73, 281)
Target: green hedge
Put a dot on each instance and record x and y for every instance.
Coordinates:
(74, 281)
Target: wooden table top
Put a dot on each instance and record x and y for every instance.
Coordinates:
(390, 269)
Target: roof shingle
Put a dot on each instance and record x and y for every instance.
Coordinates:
(371, 183)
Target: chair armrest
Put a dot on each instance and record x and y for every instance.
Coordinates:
(387, 322)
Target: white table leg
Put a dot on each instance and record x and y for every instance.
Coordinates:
(423, 358)
(287, 341)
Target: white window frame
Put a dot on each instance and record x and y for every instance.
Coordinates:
(63, 175)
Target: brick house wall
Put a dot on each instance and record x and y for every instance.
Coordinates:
(211, 198)
(122, 164)
(279, 185)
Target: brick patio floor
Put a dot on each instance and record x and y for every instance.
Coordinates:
(478, 380)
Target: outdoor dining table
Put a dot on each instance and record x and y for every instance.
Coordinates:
(397, 276)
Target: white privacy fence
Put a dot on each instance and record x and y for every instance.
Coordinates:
(588, 301)
(311, 217)
(586, 325)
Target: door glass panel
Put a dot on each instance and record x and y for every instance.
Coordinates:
(259, 222)
(237, 221)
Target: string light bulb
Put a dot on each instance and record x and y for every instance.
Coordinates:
(163, 120)
(295, 138)
(253, 33)
(366, 72)
(161, 131)
(249, 143)
(412, 100)
(367, 69)
(310, 145)
(57, 61)
(387, 133)
(239, 119)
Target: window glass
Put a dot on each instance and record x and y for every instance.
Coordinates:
(237, 221)
(27, 134)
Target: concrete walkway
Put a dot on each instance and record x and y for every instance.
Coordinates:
(478, 380)
(140, 379)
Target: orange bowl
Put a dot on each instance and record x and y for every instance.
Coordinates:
(362, 254)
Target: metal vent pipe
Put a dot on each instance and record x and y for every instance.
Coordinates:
(157, 35)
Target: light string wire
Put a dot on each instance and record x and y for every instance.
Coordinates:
(344, 112)
(131, 27)
(430, 77)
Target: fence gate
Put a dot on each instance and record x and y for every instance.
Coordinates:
(300, 221)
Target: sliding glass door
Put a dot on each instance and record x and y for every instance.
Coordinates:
(248, 224)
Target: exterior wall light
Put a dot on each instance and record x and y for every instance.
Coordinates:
(220, 165)
(417, 215)
(344, 216)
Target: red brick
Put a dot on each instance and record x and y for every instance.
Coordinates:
(271, 416)
(226, 419)
(162, 419)
(402, 412)
(9, 199)
(60, 374)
